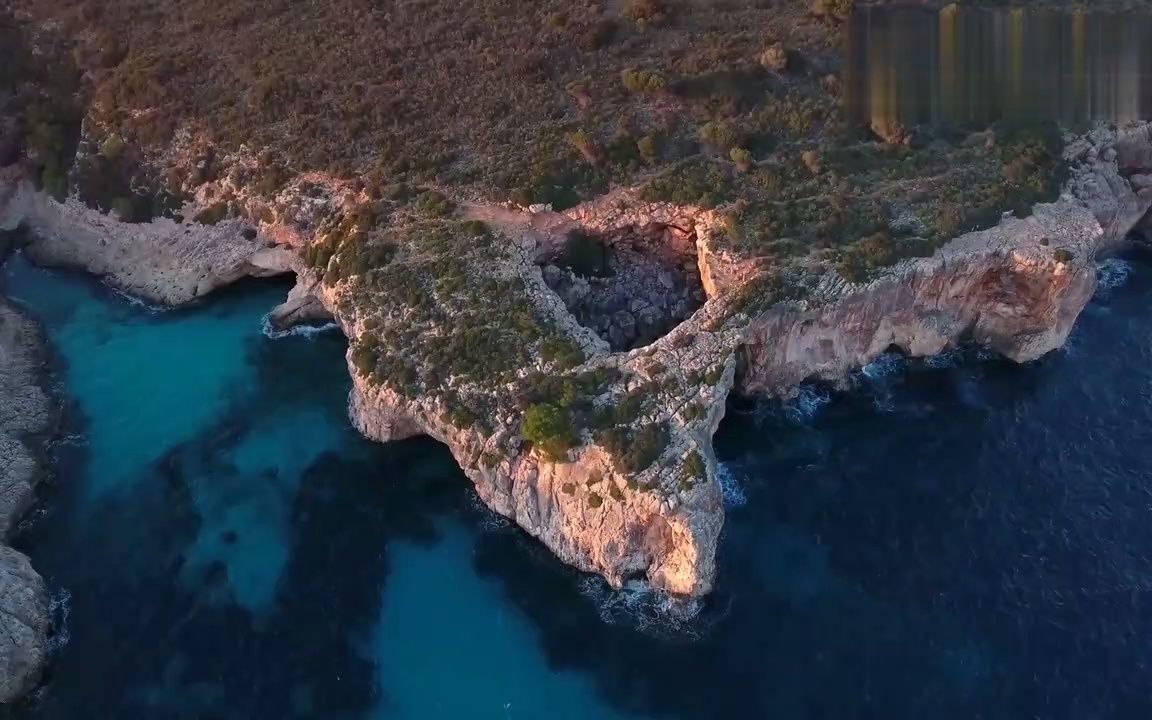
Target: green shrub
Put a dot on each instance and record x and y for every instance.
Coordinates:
(549, 428)
(742, 158)
(648, 149)
(568, 488)
(461, 417)
(586, 146)
(694, 466)
(700, 183)
(692, 411)
(594, 500)
(720, 135)
(839, 10)
(638, 80)
(125, 209)
(714, 374)
(647, 12)
(563, 350)
(364, 355)
(1061, 255)
(434, 204)
(635, 451)
(112, 147)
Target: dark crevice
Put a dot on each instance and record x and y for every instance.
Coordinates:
(632, 285)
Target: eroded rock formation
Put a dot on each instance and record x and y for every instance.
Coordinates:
(630, 489)
(24, 417)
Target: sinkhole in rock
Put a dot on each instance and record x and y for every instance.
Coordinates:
(631, 285)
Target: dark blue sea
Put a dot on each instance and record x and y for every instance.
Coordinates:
(953, 538)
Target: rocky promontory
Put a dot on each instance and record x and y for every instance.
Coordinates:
(474, 325)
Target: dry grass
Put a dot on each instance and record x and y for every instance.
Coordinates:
(480, 96)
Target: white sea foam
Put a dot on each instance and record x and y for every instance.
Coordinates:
(136, 301)
(948, 359)
(807, 402)
(1111, 274)
(887, 365)
(59, 609)
(731, 486)
(640, 607)
(304, 331)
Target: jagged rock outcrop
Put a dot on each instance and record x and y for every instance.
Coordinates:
(457, 336)
(24, 415)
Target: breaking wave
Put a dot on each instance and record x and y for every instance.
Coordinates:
(887, 365)
(731, 486)
(1111, 274)
(641, 608)
(304, 331)
(807, 402)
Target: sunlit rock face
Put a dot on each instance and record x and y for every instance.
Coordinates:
(964, 65)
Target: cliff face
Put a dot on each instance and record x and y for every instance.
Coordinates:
(1016, 288)
(454, 332)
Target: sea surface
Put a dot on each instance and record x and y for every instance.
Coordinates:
(953, 538)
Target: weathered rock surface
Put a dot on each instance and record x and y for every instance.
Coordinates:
(23, 625)
(162, 261)
(24, 415)
(1016, 288)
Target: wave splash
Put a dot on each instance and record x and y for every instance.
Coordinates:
(807, 402)
(304, 331)
(1110, 275)
(731, 486)
(644, 609)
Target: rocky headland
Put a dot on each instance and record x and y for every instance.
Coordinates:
(472, 327)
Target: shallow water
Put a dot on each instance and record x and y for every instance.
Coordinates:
(955, 538)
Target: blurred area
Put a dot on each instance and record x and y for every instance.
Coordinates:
(967, 66)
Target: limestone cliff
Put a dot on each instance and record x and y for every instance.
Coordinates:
(1016, 288)
(603, 452)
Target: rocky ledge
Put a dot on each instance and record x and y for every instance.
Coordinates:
(24, 417)
(457, 329)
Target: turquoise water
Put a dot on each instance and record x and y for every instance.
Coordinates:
(952, 539)
(221, 543)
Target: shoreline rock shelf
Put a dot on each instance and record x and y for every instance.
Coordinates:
(25, 417)
(616, 474)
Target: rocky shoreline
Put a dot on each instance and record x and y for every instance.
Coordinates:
(25, 419)
(1016, 288)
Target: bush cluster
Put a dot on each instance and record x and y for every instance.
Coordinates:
(549, 429)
